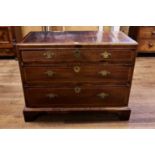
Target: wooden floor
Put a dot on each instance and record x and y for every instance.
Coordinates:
(142, 100)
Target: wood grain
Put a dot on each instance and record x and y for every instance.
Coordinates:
(9, 35)
(146, 45)
(67, 55)
(112, 47)
(145, 36)
(26, 29)
(142, 100)
(80, 28)
(68, 97)
(87, 72)
(77, 38)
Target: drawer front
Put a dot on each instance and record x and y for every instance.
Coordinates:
(146, 45)
(4, 35)
(95, 96)
(147, 32)
(58, 55)
(7, 52)
(78, 73)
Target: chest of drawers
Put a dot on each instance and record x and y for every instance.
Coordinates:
(9, 35)
(146, 39)
(71, 72)
(145, 36)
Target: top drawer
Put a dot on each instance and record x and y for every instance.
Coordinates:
(60, 55)
(147, 32)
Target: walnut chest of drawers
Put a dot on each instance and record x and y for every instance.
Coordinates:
(145, 36)
(146, 39)
(9, 35)
(76, 72)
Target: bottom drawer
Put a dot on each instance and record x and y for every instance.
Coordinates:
(83, 96)
(7, 52)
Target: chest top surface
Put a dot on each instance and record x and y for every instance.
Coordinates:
(77, 38)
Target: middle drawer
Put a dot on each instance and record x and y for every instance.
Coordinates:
(78, 73)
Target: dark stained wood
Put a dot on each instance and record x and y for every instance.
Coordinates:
(68, 97)
(6, 52)
(5, 37)
(77, 38)
(56, 28)
(97, 73)
(60, 70)
(133, 32)
(8, 37)
(60, 55)
(6, 41)
(141, 102)
(146, 45)
(147, 32)
(145, 36)
(16, 33)
(93, 114)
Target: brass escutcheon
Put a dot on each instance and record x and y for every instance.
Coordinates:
(106, 55)
(77, 53)
(49, 73)
(77, 90)
(49, 54)
(76, 69)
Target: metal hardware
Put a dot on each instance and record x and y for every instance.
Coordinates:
(76, 69)
(49, 54)
(104, 73)
(103, 95)
(49, 73)
(77, 90)
(77, 53)
(106, 55)
(51, 96)
(150, 45)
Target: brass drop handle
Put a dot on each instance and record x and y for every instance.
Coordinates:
(77, 90)
(77, 53)
(49, 54)
(76, 69)
(52, 96)
(106, 55)
(104, 73)
(50, 73)
(103, 95)
(150, 45)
